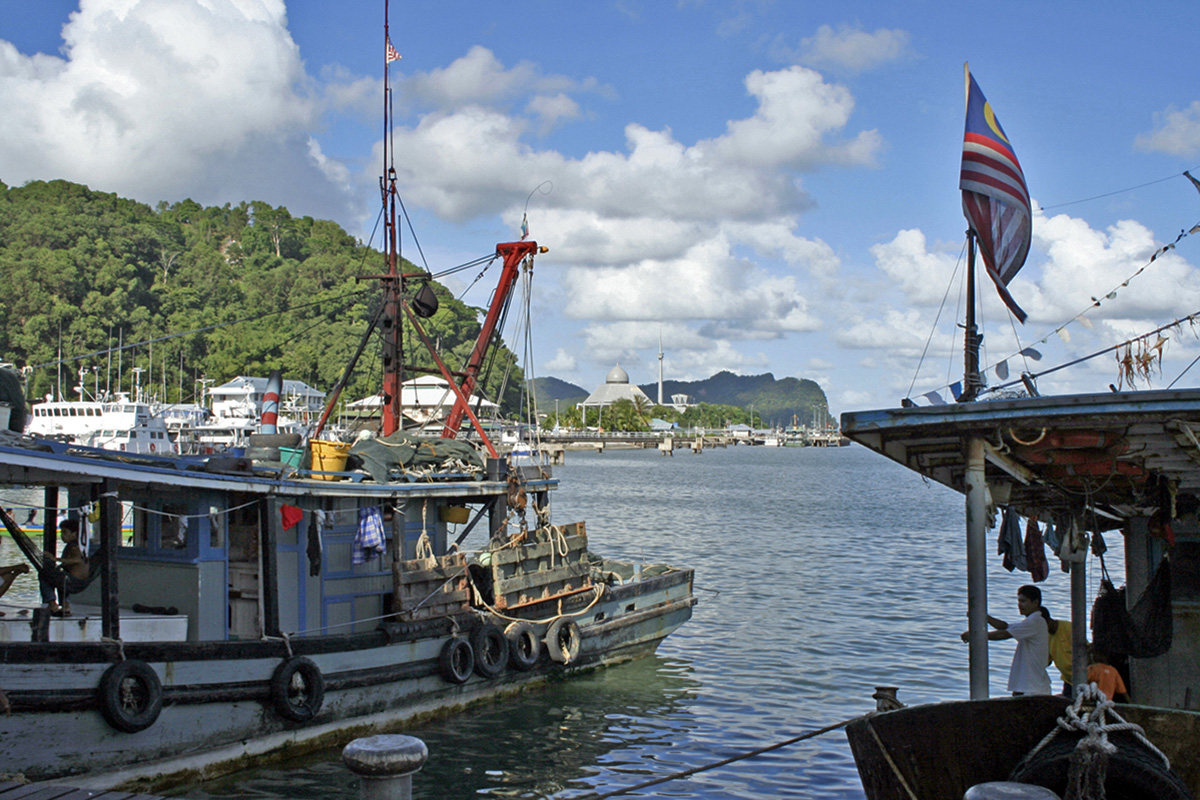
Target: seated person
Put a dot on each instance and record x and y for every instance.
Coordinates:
(73, 562)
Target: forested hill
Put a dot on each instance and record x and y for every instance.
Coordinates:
(85, 270)
(775, 402)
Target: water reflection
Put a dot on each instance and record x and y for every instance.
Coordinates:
(559, 739)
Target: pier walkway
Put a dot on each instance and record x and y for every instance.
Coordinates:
(53, 791)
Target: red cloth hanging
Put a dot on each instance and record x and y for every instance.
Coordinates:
(291, 516)
(1035, 551)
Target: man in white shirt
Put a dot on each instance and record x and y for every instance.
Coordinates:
(1028, 672)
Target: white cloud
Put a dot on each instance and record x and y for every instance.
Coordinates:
(479, 78)
(553, 109)
(848, 48)
(1082, 263)
(166, 100)
(702, 234)
(562, 362)
(921, 275)
(1070, 263)
(689, 355)
(1176, 132)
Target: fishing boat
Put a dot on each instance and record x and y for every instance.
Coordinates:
(258, 608)
(1121, 463)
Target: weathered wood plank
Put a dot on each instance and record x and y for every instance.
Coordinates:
(424, 588)
(533, 580)
(575, 545)
(408, 600)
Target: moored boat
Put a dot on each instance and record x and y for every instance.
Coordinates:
(1083, 465)
(259, 608)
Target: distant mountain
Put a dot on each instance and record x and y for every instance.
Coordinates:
(547, 390)
(776, 401)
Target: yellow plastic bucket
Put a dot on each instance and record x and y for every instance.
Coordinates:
(328, 457)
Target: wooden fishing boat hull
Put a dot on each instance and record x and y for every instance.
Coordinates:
(938, 751)
(220, 712)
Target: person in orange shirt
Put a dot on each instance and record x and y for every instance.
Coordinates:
(1105, 676)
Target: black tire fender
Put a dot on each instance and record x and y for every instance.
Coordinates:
(1134, 771)
(491, 651)
(130, 696)
(297, 689)
(564, 640)
(456, 660)
(524, 646)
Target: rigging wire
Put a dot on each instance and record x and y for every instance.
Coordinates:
(1185, 371)
(936, 319)
(1118, 191)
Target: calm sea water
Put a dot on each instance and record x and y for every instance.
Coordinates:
(821, 573)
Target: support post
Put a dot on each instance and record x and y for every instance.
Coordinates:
(110, 540)
(50, 520)
(268, 569)
(1079, 625)
(497, 470)
(977, 569)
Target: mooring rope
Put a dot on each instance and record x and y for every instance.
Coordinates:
(1090, 714)
(724, 762)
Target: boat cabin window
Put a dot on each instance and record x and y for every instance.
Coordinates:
(141, 529)
(173, 528)
(216, 528)
(161, 530)
(243, 532)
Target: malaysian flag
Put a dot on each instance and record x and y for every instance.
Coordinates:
(391, 54)
(995, 197)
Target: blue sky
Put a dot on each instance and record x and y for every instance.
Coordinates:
(768, 186)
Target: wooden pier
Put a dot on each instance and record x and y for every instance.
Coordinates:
(53, 791)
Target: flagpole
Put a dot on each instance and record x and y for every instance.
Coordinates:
(971, 382)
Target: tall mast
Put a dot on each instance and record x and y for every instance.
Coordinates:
(971, 382)
(393, 351)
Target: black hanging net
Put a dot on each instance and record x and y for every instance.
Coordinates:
(12, 392)
(1143, 631)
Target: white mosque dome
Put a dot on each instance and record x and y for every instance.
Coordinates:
(617, 375)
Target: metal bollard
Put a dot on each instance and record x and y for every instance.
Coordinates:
(385, 765)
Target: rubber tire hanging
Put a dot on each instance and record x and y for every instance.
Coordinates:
(524, 646)
(564, 640)
(130, 696)
(301, 701)
(491, 651)
(456, 660)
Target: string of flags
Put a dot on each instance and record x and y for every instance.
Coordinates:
(1130, 365)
